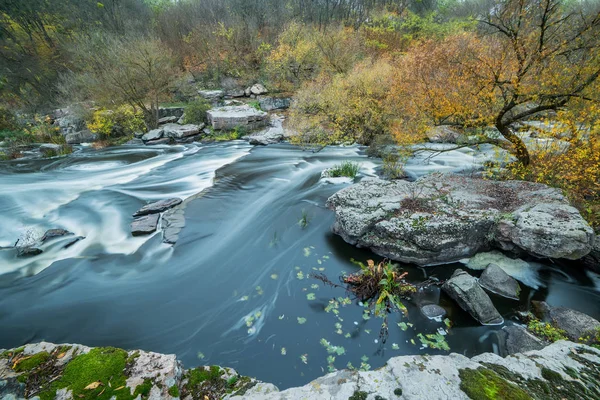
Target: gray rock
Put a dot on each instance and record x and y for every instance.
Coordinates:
(234, 116)
(433, 311)
(176, 112)
(157, 207)
(443, 134)
(434, 377)
(464, 289)
(145, 225)
(258, 89)
(173, 221)
(442, 218)
(272, 135)
(495, 280)
(236, 93)
(84, 136)
(181, 131)
(159, 142)
(134, 142)
(576, 324)
(154, 134)
(54, 233)
(516, 339)
(211, 95)
(69, 119)
(28, 251)
(247, 92)
(274, 103)
(592, 260)
(167, 120)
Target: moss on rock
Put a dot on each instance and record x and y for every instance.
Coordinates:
(484, 384)
(29, 363)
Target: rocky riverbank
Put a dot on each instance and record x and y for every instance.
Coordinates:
(49, 371)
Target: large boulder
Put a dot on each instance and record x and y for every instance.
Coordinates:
(257, 89)
(464, 289)
(84, 136)
(576, 324)
(227, 118)
(272, 135)
(592, 260)
(495, 280)
(176, 131)
(442, 218)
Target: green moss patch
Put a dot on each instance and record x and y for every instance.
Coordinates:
(31, 362)
(484, 384)
(174, 391)
(98, 374)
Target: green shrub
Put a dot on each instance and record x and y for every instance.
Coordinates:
(195, 112)
(347, 168)
(8, 120)
(123, 121)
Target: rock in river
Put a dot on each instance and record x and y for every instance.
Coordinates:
(442, 218)
(235, 116)
(576, 324)
(144, 225)
(516, 339)
(464, 289)
(157, 207)
(495, 280)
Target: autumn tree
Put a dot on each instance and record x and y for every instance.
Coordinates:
(530, 56)
(117, 70)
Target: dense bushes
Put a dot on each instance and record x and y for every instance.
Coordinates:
(123, 121)
(195, 112)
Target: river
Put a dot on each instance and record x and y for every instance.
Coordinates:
(235, 290)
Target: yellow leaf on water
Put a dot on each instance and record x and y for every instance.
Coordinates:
(93, 385)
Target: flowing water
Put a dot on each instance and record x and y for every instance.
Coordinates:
(235, 290)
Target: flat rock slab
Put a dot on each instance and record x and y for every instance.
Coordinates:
(495, 280)
(84, 136)
(464, 289)
(228, 118)
(145, 225)
(157, 207)
(442, 218)
(176, 131)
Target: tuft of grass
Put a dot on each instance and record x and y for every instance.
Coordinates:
(546, 331)
(255, 104)
(174, 391)
(304, 219)
(347, 168)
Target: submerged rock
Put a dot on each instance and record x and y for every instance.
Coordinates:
(433, 311)
(157, 207)
(576, 324)
(464, 289)
(495, 280)
(54, 233)
(442, 218)
(28, 251)
(145, 225)
(231, 117)
(516, 339)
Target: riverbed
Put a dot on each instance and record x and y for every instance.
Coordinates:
(236, 289)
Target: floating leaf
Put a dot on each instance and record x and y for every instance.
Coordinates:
(307, 251)
(244, 298)
(304, 358)
(274, 276)
(310, 296)
(403, 325)
(200, 355)
(281, 316)
(314, 286)
(259, 291)
(319, 262)
(395, 346)
(283, 351)
(347, 335)
(447, 322)
(301, 320)
(300, 275)
(364, 358)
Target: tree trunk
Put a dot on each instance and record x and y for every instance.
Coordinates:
(520, 150)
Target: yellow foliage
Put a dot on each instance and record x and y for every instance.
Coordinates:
(120, 122)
